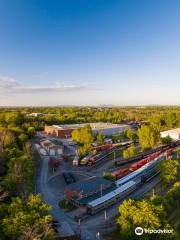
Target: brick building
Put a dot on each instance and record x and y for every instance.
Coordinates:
(59, 131)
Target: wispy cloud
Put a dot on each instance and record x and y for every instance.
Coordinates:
(11, 85)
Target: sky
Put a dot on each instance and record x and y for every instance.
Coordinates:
(89, 52)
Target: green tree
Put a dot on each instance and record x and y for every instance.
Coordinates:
(148, 137)
(168, 171)
(140, 213)
(6, 139)
(171, 120)
(23, 138)
(83, 135)
(130, 134)
(84, 150)
(166, 140)
(130, 152)
(19, 179)
(24, 217)
(100, 138)
(31, 132)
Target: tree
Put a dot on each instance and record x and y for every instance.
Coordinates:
(23, 138)
(6, 139)
(168, 171)
(171, 120)
(148, 137)
(19, 179)
(166, 140)
(28, 217)
(130, 152)
(108, 176)
(130, 134)
(31, 132)
(100, 138)
(139, 213)
(83, 135)
(84, 150)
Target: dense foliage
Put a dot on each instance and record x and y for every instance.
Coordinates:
(22, 215)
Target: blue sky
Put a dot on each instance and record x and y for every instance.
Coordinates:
(89, 52)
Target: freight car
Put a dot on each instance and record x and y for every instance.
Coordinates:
(138, 175)
(110, 198)
(101, 156)
(140, 156)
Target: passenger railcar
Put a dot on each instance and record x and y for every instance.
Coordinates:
(111, 198)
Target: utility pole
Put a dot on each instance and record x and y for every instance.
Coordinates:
(114, 155)
(101, 190)
(79, 226)
(153, 192)
(98, 235)
(105, 215)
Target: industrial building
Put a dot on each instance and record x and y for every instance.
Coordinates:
(82, 192)
(65, 131)
(173, 133)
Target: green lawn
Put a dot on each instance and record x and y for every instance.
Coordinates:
(64, 204)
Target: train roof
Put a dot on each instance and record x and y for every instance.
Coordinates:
(137, 172)
(111, 194)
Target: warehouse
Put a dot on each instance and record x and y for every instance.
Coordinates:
(84, 191)
(173, 133)
(65, 131)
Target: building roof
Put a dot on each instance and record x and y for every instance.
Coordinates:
(93, 197)
(94, 126)
(89, 185)
(172, 131)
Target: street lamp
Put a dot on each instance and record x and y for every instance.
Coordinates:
(98, 235)
(105, 215)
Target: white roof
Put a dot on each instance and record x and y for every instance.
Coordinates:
(94, 126)
(111, 194)
(172, 131)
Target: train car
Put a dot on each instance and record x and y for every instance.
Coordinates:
(120, 173)
(137, 174)
(140, 156)
(111, 198)
(149, 174)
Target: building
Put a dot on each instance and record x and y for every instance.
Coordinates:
(173, 133)
(80, 193)
(60, 131)
(51, 148)
(34, 114)
(65, 131)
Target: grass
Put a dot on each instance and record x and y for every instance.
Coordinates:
(64, 204)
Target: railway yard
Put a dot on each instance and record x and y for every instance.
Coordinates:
(90, 197)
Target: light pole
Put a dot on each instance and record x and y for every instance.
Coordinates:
(98, 235)
(114, 155)
(105, 215)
